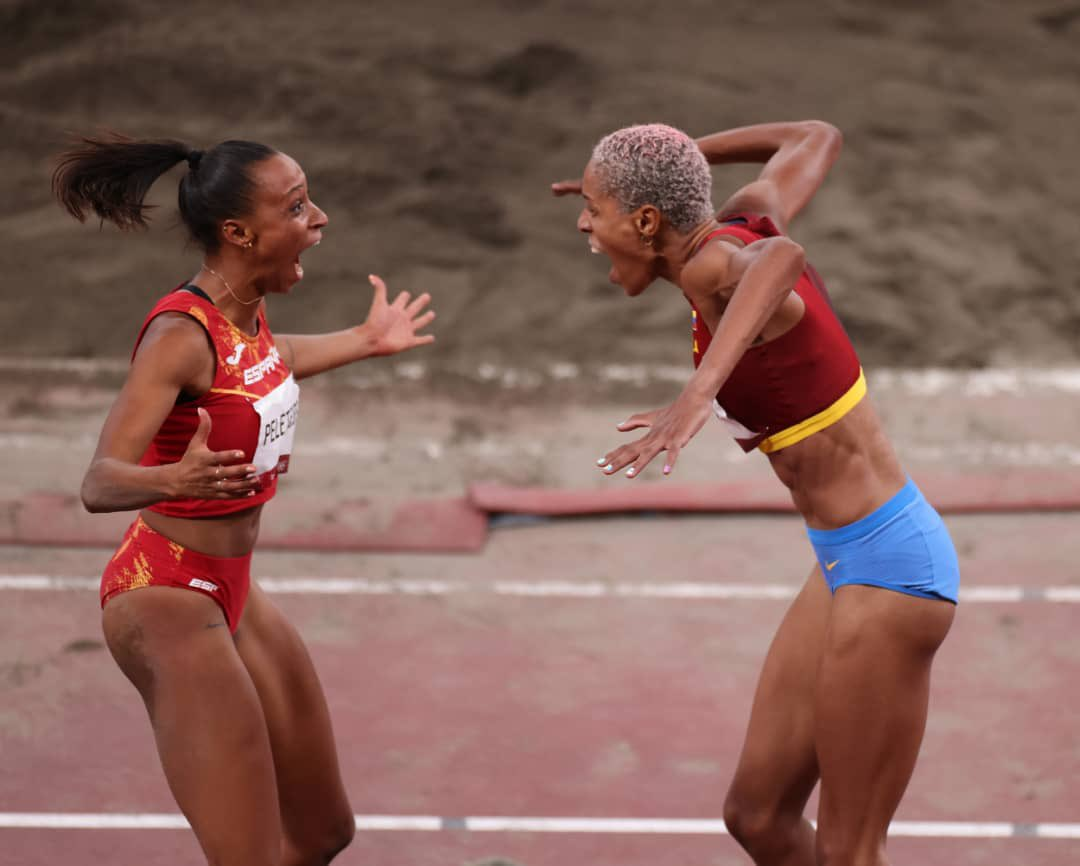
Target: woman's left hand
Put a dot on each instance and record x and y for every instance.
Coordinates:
(393, 327)
(670, 430)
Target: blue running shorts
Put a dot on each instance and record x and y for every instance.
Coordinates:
(903, 546)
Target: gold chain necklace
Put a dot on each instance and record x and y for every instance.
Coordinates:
(228, 288)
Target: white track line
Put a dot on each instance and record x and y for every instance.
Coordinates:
(555, 589)
(630, 826)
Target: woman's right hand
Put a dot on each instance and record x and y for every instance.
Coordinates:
(205, 474)
(566, 187)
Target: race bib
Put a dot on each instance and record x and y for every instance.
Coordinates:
(277, 424)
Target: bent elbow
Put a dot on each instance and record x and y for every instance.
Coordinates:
(798, 257)
(830, 138)
(90, 494)
(89, 502)
(793, 256)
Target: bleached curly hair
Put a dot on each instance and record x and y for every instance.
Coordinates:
(658, 165)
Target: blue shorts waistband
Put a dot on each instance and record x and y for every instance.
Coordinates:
(907, 494)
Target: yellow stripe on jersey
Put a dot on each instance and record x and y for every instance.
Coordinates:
(825, 418)
(237, 391)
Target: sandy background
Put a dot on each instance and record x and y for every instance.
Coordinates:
(946, 231)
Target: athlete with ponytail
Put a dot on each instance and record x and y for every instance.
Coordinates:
(195, 441)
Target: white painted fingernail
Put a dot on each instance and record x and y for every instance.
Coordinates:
(608, 468)
(600, 461)
(630, 472)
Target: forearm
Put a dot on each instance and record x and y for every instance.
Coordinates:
(759, 143)
(308, 354)
(763, 287)
(115, 485)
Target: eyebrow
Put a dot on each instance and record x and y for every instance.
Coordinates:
(294, 189)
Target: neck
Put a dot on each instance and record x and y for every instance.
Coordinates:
(233, 293)
(675, 250)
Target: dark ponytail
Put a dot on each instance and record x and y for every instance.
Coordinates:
(111, 177)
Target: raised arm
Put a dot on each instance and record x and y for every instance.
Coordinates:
(389, 328)
(797, 156)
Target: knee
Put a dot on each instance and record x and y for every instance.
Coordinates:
(760, 827)
(318, 849)
(341, 836)
(832, 849)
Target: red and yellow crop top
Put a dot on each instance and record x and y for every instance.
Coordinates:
(253, 405)
(790, 387)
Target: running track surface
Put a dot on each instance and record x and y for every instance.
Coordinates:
(560, 675)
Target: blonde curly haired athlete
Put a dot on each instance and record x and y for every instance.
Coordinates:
(842, 697)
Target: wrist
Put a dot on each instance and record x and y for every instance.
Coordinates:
(699, 392)
(367, 343)
(167, 482)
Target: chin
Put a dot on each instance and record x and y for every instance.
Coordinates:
(632, 286)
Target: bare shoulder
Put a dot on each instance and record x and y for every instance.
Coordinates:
(175, 348)
(710, 272)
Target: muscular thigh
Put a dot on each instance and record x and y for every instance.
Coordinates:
(871, 704)
(305, 757)
(778, 765)
(208, 724)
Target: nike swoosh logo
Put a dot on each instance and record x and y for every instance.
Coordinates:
(829, 565)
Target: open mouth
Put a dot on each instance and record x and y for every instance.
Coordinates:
(595, 249)
(299, 268)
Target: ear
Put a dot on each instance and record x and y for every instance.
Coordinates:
(236, 233)
(647, 221)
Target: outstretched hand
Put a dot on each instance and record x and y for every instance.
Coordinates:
(566, 187)
(670, 429)
(393, 326)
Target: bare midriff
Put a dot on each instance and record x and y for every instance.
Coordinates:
(225, 535)
(842, 473)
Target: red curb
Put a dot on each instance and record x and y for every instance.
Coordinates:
(743, 496)
(460, 525)
(438, 525)
(1004, 491)
(432, 525)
